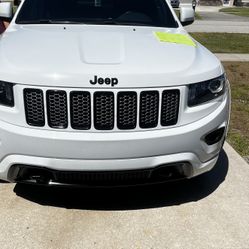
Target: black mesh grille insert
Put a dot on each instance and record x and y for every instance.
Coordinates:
(104, 110)
(57, 109)
(127, 110)
(34, 107)
(104, 114)
(102, 178)
(149, 105)
(170, 107)
(80, 110)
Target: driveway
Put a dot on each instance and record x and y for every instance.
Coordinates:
(211, 211)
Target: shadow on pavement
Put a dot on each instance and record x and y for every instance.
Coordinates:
(129, 198)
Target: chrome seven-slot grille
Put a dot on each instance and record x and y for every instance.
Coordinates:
(101, 110)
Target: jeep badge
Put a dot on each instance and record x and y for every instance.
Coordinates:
(101, 81)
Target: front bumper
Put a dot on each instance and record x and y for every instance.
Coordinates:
(65, 151)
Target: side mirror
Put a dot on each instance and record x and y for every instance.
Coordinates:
(187, 15)
(6, 10)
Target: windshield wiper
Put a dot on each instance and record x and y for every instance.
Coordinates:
(108, 21)
(115, 22)
(48, 21)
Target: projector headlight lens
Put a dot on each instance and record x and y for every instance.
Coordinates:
(205, 91)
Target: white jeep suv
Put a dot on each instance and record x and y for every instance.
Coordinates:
(107, 92)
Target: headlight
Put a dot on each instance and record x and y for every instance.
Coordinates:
(6, 94)
(206, 90)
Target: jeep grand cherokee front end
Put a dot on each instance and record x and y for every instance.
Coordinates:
(107, 93)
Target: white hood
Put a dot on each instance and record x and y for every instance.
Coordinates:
(71, 55)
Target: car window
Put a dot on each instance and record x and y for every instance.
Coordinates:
(122, 12)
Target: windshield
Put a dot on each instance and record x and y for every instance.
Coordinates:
(120, 12)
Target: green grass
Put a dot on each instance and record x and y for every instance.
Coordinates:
(239, 143)
(239, 11)
(238, 136)
(224, 42)
(198, 16)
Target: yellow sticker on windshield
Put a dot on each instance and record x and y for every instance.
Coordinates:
(175, 38)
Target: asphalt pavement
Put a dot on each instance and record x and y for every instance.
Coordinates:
(220, 16)
(219, 27)
(210, 211)
(215, 21)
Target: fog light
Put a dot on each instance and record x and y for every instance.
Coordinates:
(215, 136)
